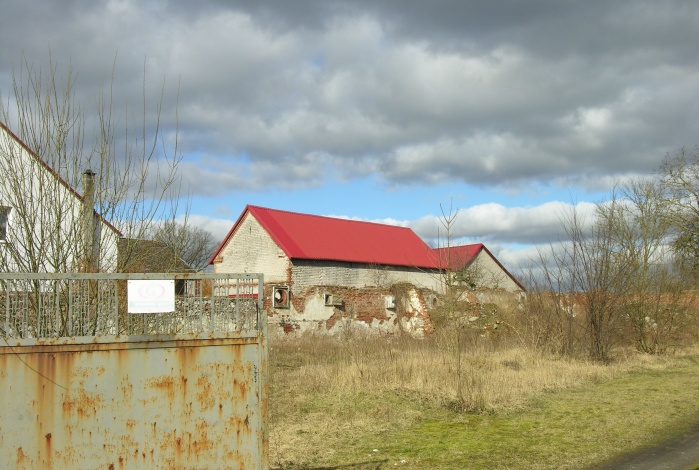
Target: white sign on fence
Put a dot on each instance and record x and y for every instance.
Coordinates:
(151, 296)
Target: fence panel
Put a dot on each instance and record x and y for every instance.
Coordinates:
(70, 305)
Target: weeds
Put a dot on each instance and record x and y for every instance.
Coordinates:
(326, 389)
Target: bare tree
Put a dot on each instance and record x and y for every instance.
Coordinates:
(193, 245)
(642, 231)
(679, 182)
(133, 169)
(452, 314)
(587, 268)
(553, 321)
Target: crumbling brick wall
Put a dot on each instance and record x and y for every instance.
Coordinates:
(333, 310)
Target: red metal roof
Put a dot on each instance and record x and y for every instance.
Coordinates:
(457, 257)
(304, 236)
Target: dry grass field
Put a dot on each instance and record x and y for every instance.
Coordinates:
(388, 402)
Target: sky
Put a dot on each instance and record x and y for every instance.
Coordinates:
(507, 113)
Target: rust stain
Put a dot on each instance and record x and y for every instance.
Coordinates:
(82, 403)
(240, 426)
(205, 396)
(126, 389)
(22, 458)
(49, 450)
(240, 389)
(237, 352)
(165, 383)
(202, 443)
(178, 445)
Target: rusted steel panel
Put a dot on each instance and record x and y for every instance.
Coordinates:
(176, 402)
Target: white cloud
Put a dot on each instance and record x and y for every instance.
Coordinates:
(218, 227)
(496, 223)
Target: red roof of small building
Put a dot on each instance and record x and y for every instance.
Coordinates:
(304, 236)
(459, 257)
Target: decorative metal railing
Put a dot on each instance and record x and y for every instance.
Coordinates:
(48, 305)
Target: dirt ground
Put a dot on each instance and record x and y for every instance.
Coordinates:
(676, 454)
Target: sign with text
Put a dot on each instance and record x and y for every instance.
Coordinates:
(151, 296)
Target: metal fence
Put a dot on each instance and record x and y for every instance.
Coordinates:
(47, 305)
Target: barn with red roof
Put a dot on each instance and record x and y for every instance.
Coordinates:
(320, 270)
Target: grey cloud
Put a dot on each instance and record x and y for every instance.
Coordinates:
(420, 92)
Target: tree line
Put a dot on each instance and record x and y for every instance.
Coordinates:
(628, 277)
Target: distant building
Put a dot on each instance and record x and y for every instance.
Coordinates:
(149, 256)
(302, 250)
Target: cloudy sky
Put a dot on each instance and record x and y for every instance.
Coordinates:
(509, 110)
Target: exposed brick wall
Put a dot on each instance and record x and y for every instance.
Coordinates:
(360, 309)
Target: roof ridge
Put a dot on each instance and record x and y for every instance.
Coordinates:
(329, 217)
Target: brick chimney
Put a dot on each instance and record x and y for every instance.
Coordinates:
(89, 244)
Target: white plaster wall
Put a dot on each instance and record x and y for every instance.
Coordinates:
(315, 309)
(53, 213)
(251, 250)
(414, 320)
(492, 275)
(108, 248)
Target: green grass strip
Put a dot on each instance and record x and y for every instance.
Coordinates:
(574, 428)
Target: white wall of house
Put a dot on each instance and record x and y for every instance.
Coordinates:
(45, 210)
(108, 248)
(251, 250)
